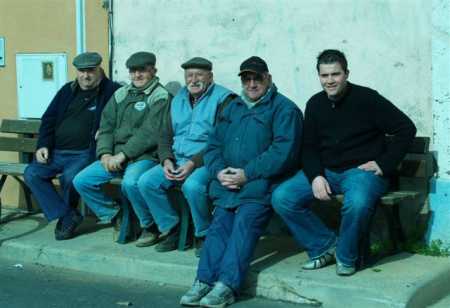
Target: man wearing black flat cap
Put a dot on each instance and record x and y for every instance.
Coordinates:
(66, 141)
(254, 146)
(127, 141)
(192, 117)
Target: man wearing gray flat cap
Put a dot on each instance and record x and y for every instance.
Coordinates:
(66, 141)
(192, 117)
(127, 142)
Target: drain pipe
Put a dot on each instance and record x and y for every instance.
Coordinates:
(111, 37)
(80, 25)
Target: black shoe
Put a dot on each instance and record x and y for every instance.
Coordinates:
(65, 232)
(198, 244)
(170, 241)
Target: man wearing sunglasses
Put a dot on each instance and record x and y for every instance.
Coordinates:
(255, 144)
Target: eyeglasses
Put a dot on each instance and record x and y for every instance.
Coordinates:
(258, 78)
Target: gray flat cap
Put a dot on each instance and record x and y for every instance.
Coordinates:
(87, 60)
(198, 62)
(141, 59)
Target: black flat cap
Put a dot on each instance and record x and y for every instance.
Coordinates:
(141, 59)
(253, 64)
(198, 62)
(87, 60)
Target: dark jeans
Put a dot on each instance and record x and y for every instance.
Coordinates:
(361, 189)
(230, 243)
(39, 177)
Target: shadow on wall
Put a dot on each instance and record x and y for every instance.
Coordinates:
(173, 87)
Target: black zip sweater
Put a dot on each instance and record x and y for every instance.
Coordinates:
(343, 134)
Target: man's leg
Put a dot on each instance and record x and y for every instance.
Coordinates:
(291, 200)
(130, 189)
(73, 163)
(153, 187)
(211, 257)
(249, 223)
(215, 245)
(39, 177)
(362, 190)
(88, 184)
(195, 192)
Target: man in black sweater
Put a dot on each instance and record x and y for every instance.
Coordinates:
(344, 151)
(66, 141)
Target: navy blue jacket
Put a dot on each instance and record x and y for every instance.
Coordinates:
(264, 141)
(54, 114)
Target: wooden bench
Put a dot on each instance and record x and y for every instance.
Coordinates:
(18, 136)
(130, 225)
(409, 183)
(21, 137)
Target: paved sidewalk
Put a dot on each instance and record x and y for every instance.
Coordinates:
(403, 280)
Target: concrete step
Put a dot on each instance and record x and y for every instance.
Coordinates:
(404, 280)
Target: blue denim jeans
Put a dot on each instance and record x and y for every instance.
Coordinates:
(291, 200)
(230, 244)
(39, 177)
(153, 186)
(88, 184)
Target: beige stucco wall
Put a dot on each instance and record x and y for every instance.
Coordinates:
(39, 26)
(387, 43)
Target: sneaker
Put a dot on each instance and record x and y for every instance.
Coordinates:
(65, 232)
(198, 244)
(344, 270)
(170, 241)
(195, 294)
(148, 237)
(321, 261)
(220, 296)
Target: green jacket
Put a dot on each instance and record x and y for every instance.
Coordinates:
(132, 121)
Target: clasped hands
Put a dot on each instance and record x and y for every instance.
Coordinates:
(177, 174)
(232, 178)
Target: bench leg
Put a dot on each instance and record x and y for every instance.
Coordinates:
(389, 214)
(397, 223)
(184, 226)
(125, 225)
(2, 182)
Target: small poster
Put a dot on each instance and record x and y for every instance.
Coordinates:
(47, 70)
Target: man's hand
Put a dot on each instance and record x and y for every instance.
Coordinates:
(116, 162)
(232, 178)
(321, 189)
(169, 169)
(371, 166)
(182, 172)
(104, 160)
(42, 155)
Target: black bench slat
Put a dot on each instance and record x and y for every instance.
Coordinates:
(18, 126)
(18, 144)
(420, 145)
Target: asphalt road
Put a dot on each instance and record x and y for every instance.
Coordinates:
(31, 285)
